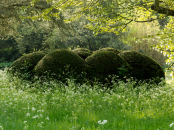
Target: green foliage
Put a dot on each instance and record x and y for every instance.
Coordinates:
(30, 39)
(109, 49)
(83, 52)
(54, 64)
(166, 67)
(8, 43)
(103, 16)
(163, 22)
(5, 64)
(8, 54)
(166, 45)
(76, 106)
(101, 64)
(142, 66)
(139, 37)
(122, 71)
(85, 40)
(8, 50)
(23, 67)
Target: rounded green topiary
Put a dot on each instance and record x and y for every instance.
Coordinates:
(25, 64)
(56, 61)
(101, 64)
(83, 52)
(109, 49)
(142, 66)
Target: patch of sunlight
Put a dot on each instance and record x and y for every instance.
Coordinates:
(148, 113)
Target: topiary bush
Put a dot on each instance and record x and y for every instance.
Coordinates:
(143, 67)
(101, 64)
(83, 52)
(109, 49)
(25, 64)
(55, 62)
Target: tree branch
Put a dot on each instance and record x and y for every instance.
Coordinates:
(163, 10)
(157, 4)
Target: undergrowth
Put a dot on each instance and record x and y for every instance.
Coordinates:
(52, 105)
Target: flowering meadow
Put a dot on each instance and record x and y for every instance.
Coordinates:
(50, 105)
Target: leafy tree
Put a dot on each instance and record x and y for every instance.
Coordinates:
(86, 39)
(166, 45)
(29, 12)
(103, 16)
(32, 40)
(8, 50)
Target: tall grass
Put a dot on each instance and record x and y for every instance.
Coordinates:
(24, 105)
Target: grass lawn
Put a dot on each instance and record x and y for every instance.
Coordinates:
(75, 107)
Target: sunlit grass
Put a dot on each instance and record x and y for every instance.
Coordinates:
(83, 107)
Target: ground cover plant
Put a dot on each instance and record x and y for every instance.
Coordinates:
(58, 106)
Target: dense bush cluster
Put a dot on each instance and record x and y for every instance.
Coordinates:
(101, 64)
(55, 62)
(142, 66)
(25, 64)
(98, 65)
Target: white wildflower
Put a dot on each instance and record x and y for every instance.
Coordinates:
(33, 109)
(171, 124)
(26, 127)
(1, 127)
(28, 114)
(25, 121)
(40, 110)
(104, 122)
(40, 124)
(41, 115)
(36, 116)
(47, 118)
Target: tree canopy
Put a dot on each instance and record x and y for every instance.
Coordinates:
(101, 16)
(104, 15)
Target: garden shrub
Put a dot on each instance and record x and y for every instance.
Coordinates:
(53, 64)
(142, 66)
(25, 64)
(101, 64)
(83, 52)
(109, 49)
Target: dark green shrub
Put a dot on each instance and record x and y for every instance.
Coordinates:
(8, 54)
(101, 64)
(83, 52)
(53, 64)
(142, 66)
(25, 64)
(108, 49)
